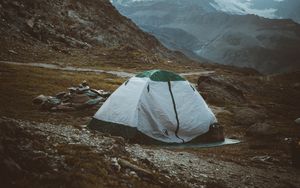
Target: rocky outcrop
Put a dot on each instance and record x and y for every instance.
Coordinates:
(75, 23)
(61, 25)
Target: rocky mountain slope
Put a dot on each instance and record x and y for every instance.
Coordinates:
(57, 29)
(242, 40)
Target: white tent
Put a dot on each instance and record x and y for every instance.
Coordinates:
(159, 104)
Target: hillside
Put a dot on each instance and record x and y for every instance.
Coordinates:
(267, 45)
(55, 30)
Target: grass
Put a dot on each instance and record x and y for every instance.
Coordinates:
(20, 84)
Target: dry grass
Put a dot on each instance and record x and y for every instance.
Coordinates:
(20, 84)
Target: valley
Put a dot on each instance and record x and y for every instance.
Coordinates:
(202, 31)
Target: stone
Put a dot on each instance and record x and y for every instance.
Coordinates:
(141, 171)
(248, 116)
(39, 99)
(60, 95)
(80, 98)
(115, 164)
(261, 129)
(133, 174)
(13, 52)
(264, 159)
(30, 22)
(297, 120)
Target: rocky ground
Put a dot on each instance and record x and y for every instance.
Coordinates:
(76, 157)
(52, 149)
(48, 155)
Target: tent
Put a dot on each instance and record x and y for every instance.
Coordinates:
(157, 104)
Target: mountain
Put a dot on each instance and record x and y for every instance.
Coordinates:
(199, 29)
(280, 9)
(52, 28)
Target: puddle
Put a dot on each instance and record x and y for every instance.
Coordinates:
(227, 141)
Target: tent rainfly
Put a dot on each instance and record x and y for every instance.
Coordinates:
(160, 104)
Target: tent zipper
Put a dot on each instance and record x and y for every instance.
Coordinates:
(175, 110)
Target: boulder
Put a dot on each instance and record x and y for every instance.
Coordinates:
(60, 95)
(218, 90)
(297, 120)
(80, 98)
(39, 99)
(248, 116)
(261, 130)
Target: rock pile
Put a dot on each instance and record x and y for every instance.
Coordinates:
(76, 98)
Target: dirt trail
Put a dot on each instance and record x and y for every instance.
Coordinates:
(122, 74)
(72, 69)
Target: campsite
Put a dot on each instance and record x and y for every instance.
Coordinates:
(60, 134)
(88, 99)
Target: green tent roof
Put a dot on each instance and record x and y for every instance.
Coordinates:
(160, 76)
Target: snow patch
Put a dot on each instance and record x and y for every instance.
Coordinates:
(242, 7)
